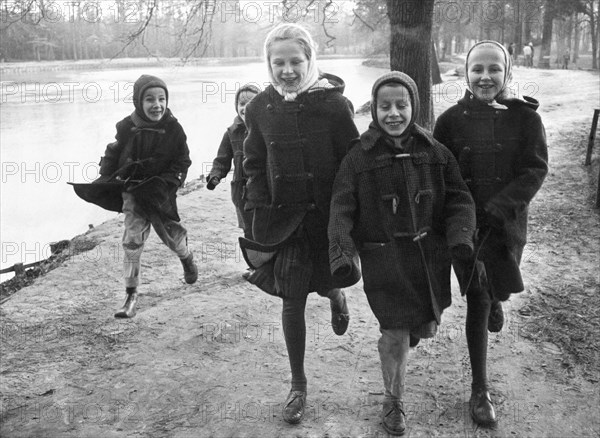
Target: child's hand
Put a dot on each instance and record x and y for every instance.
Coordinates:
(213, 182)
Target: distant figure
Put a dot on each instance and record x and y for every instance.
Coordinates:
(528, 53)
(151, 159)
(511, 51)
(500, 144)
(231, 149)
(400, 203)
(565, 59)
(443, 48)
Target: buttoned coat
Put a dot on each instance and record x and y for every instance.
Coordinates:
(293, 150)
(503, 158)
(159, 156)
(401, 212)
(231, 150)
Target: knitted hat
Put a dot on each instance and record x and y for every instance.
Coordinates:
(140, 86)
(397, 78)
(248, 87)
(507, 62)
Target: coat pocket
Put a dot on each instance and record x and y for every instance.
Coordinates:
(376, 261)
(290, 179)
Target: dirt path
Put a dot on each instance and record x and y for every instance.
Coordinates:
(210, 360)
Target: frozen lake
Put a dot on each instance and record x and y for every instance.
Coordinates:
(54, 126)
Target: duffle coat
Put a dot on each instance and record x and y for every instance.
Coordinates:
(503, 158)
(231, 150)
(292, 152)
(401, 212)
(141, 153)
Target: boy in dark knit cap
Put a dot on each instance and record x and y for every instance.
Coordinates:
(151, 158)
(400, 202)
(231, 148)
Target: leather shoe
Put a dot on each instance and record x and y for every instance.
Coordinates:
(190, 270)
(128, 309)
(481, 408)
(413, 341)
(393, 417)
(293, 408)
(496, 318)
(340, 317)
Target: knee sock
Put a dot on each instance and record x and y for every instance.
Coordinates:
(294, 332)
(478, 311)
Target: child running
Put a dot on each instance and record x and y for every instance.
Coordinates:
(500, 143)
(151, 159)
(400, 203)
(299, 129)
(231, 148)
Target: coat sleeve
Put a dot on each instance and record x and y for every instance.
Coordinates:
(459, 207)
(531, 169)
(441, 131)
(176, 172)
(255, 163)
(222, 163)
(344, 130)
(343, 211)
(109, 162)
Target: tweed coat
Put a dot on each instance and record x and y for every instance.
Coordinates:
(159, 156)
(401, 213)
(292, 152)
(503, 157)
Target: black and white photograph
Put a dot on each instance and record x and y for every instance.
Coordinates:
(299, 218)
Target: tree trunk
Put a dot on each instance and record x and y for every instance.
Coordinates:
(410, 48)
(436, 76)
(544, 56)
(576, 41)
(594, 32)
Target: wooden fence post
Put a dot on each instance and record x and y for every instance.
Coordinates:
(588, 157)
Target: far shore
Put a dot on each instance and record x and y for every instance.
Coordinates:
(7, 67)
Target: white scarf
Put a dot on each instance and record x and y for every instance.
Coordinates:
(311, 82)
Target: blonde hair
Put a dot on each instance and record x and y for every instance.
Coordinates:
(291, 31)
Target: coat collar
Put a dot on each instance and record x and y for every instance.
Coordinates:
(469, 101)
(374, 135)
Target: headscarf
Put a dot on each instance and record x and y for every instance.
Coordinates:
(291, 31)
(505, 92)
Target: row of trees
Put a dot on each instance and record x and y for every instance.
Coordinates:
(50, 30)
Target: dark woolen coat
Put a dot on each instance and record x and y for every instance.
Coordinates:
(143, 153)
(231, 149)
(381, 203)
(293, 150)
(503, 158)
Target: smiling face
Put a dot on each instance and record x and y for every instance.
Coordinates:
(244, 98)
(486, 72)
(394, 109)
(288, 63)
(154, 103)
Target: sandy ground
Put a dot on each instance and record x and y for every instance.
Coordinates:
(209, 359)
